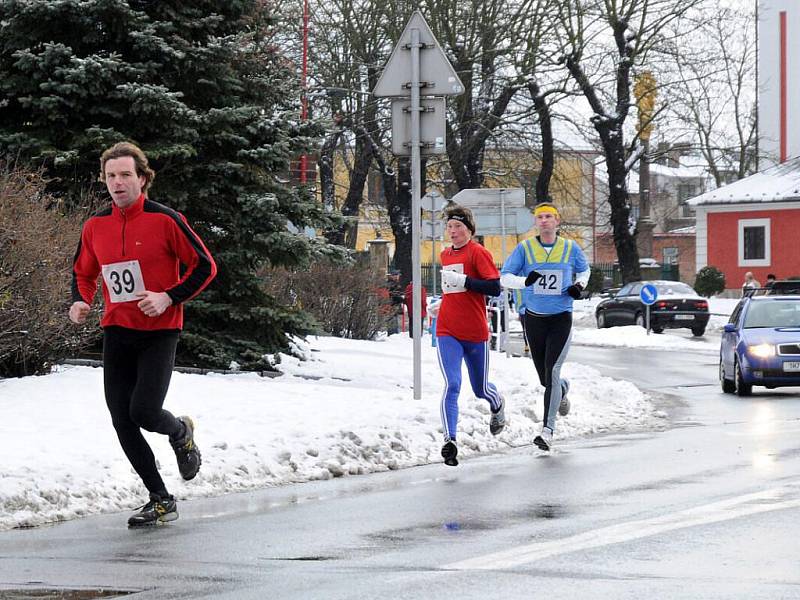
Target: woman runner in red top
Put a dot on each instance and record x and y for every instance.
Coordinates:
(468, 276)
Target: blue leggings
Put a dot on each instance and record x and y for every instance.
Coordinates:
(476, 354)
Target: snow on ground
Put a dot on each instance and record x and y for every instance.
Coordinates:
(347, 409)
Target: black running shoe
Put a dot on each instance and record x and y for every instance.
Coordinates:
(186, 450)
(158, 510)
(449, 453)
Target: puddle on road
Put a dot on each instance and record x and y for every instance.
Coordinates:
(30, 593)
(419, 533)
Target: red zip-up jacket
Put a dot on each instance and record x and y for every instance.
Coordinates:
(150, 238)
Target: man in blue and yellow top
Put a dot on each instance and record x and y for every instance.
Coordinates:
(551, 271)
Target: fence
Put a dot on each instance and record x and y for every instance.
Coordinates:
(612, 276)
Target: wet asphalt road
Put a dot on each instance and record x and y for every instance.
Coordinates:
(709, 507)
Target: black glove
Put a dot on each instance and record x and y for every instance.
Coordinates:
(575, 290)
(532, 278)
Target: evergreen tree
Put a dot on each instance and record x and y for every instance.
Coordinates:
(202, 89)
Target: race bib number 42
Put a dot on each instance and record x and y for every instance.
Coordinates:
(123, 280)
(549, 284)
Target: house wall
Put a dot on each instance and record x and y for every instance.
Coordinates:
(607, 253)
(722, 227)
(666, 205)
(686, 253)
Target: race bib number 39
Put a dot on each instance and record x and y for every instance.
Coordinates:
(549, 284)
(123, 280)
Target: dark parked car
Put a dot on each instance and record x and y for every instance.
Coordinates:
(761, 344)
(677, 306)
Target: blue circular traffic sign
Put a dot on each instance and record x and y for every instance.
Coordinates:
(648, 294)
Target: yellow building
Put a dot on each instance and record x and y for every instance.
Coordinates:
(571, 187)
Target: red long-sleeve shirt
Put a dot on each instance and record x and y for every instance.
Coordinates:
(147, 238)
(463, 315)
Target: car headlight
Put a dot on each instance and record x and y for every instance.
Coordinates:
(762, 350)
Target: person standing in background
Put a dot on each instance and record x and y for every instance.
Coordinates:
(408, 300)
(750, 283)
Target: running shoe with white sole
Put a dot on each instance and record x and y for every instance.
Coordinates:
(160, 509)
(498, 420)
(449, 453)
(545, 439)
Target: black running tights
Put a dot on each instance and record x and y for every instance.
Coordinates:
(548, 338)
(137, 367)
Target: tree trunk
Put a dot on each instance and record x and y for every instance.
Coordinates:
(347, 234)
(624, 240)
(548, 153)
(326, 171)
(467, 144)
(611, 136)
(397, 190)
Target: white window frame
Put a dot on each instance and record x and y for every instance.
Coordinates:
(676, 256)
(759, 262)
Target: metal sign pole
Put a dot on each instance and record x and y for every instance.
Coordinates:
(502, 325)
(439, 75)
(648, 319)
(416, 211)
(433, 257)
(502, 314)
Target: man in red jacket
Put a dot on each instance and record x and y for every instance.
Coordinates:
(139, 246)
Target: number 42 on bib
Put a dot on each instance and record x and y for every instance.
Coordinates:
(549, 284)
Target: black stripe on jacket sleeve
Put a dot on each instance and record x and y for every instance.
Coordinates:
(203, 272)
(76, 292)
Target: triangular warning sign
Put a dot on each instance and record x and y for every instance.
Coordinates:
(434, 69)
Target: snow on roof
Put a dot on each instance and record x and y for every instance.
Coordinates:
(691, 229)
(777, 184)
(682, 172)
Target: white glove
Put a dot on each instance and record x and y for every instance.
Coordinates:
(453, 279)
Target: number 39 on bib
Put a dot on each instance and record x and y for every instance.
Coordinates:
(123, 280)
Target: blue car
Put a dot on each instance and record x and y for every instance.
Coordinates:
(761, 344)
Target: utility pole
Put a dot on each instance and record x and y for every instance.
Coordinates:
(645, 91)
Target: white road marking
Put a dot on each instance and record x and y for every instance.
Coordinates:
(772, 431)
(741, 506)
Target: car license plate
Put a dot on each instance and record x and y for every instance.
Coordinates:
(684, 317)
(791, 366)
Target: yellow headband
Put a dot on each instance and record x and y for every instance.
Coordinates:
(545, 209)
